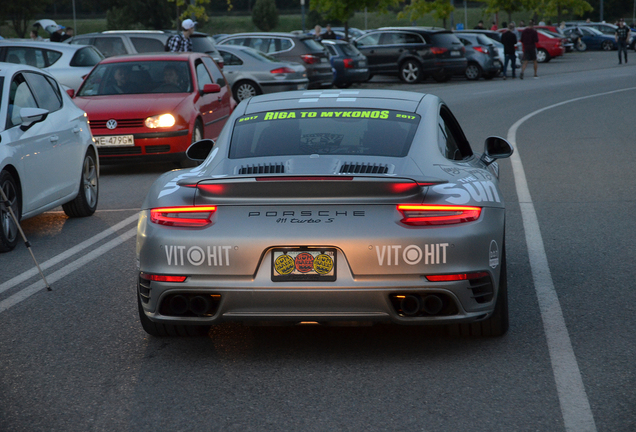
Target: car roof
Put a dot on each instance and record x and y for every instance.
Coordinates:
(55, 46)
(279, 34)
(346, 99)
(8, 69)
(172, 56)
(416, 29)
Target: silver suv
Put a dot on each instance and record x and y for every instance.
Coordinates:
(118, 42)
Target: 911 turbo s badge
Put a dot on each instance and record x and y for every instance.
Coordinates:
(412, 254)
(213, 256)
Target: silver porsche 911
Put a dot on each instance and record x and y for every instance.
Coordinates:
(335, 207)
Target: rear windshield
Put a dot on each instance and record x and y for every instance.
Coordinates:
(138, 77)
(349, 50)
(88, 56)
(204, 44)
(313, 45)
(364, 132)
(444, 39)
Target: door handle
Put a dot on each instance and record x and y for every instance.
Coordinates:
(54, 138)
(77, 129)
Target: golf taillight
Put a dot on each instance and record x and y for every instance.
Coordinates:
(162, 278)
(438, 50)
(481, 49)
(427, 215)
(348, 63)
(189, 217)
(456, 277)
(309, 58)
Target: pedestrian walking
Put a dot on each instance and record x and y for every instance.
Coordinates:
(509, 41)
(182, 42)
(622, 36)
(529, 39)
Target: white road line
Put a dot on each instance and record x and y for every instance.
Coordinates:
(67, 254)
(66, 270)
(575, 406)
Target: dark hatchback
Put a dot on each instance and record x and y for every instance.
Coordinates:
(349, 65)
(413, 53)
(290, 47)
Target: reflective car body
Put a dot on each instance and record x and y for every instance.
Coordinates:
(349, 65)
(593, 38)
(120, 42)
(129, 122)
(250, 72)
(482, 55)
(328, 206)
(47, 154)
(289, 47)
(68, 64)
(413, 53)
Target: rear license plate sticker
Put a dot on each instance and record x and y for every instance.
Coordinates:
(304, 265)
(455, 54)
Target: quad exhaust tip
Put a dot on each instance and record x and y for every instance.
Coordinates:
(414, 304)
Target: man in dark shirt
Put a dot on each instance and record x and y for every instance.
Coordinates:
(622, 36)
(509, 41)
(529, 39)
(329, 34)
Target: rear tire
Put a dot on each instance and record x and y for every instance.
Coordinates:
(85, 203)
(245, 89)
(607, 45)
(8, 227)
(497, 324)
(473, 72)
(543, 56)
(163, 330)
(411, 71)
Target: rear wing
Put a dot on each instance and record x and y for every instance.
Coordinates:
(282, 189)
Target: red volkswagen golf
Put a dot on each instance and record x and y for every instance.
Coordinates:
(153, 106)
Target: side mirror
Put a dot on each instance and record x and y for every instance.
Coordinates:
(70, 92)
(31, 116)
(211, 88)
(200, 150)
(496, 148)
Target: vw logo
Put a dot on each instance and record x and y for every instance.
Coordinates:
(111, 124)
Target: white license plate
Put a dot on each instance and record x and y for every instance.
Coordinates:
(302, 86)
(115, 141)
(455, 54)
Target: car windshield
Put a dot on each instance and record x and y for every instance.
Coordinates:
(363, 132)
(138, 77)
(87, 56)
(313, 45)
(349, 50)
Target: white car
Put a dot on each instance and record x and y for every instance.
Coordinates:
(69, 64)
(47, 153)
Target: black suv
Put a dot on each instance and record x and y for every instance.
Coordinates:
(413, 53)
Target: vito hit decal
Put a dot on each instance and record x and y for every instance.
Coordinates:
(212, 256)
(412, 254)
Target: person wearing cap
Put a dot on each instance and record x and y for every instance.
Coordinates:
(182, 42)
(622, 36)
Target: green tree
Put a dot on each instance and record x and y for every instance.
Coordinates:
(508, 6)
(441, 9)
(21, 13)
(343, 10)
(557, 8)
(195, 11)
(265, 15)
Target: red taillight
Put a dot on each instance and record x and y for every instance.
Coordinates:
(282, 70)
(456, 277)
(438, 50)
(309, 58)
(481, 49)
(162, 278)
(190, 217)
(348, 63)
(426, 215)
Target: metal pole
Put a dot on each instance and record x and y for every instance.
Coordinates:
(465, 15)
(601, 9)
(302, 11)
(7, 204)
(74, 19)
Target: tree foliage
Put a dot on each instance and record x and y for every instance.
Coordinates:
(139, 14)
(196, 11)
(265, 15)
(21, 13)
(544, 9)
(343, 10)
(441, 9)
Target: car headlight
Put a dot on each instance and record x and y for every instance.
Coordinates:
(160, 121)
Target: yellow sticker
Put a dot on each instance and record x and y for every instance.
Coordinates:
(284, 264)
(323, 264)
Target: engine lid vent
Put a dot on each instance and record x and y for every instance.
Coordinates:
(275, 168)
(363, 168)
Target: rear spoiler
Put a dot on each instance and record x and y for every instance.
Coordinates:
(317, 188)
